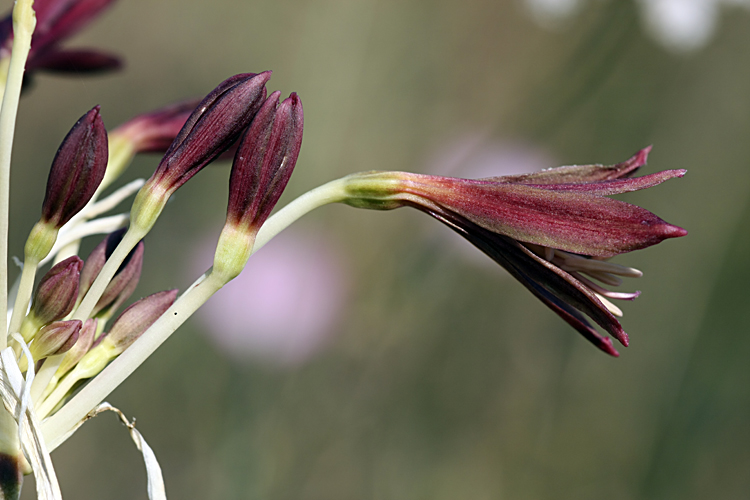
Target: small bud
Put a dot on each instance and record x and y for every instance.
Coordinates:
(125, 280)
(154, 132)
(55, 296)
(11, 473)
(76, 171)
(77, 351)
(215, 124)
(136, 319)
(261, 170)
(56, 338)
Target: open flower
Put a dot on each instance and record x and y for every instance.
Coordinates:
(551, 230)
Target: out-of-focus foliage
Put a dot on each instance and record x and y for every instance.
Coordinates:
(444, 379)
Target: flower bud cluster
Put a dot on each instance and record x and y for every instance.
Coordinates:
(67, 327)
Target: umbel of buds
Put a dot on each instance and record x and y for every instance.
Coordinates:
(55, 296)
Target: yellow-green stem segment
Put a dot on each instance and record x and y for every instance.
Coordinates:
(24, 22)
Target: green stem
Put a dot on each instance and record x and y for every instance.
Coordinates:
(56, 428)
(23, 296)
(331, 192)
(24, 22)
(129, 241)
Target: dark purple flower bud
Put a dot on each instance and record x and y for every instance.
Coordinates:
(56, 338)
(11, 471)
(136, 319)
(57, 292)
(264, 161)
(154, 132)
(77, 170)
(124, 282)
(215, 124)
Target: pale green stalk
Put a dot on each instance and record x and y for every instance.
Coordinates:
(23, 296)
(58, 426)
(331, 192)
(129, 241)
(24, 21)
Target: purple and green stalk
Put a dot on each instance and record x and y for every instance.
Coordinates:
(262, 166)
(521, 221)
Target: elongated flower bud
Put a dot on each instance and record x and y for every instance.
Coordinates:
(136, 319)
(56, 338)
(215, 124)
(261, 170)
(79, 349)
(55, 296)
(77, 170)
(125, 280)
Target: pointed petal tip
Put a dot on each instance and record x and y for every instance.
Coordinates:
(624, 339)
(607, 347)
(670, 231)
(641, 157)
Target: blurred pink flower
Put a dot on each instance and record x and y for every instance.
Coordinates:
(284, 307)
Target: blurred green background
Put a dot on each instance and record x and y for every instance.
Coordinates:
(444, 378)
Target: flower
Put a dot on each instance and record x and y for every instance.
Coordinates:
(56, 21)
(548, 229)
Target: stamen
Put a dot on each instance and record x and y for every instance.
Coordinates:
(549, 253)
(609, 305)
(600, 290)
(579, 263)
(606, 278)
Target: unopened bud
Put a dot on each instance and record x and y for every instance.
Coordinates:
(77, 170)
(56, 338)
(215, 124)
(79, 349)
(55, 296)
(136, 319)
(261, 170)
(125, 280)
